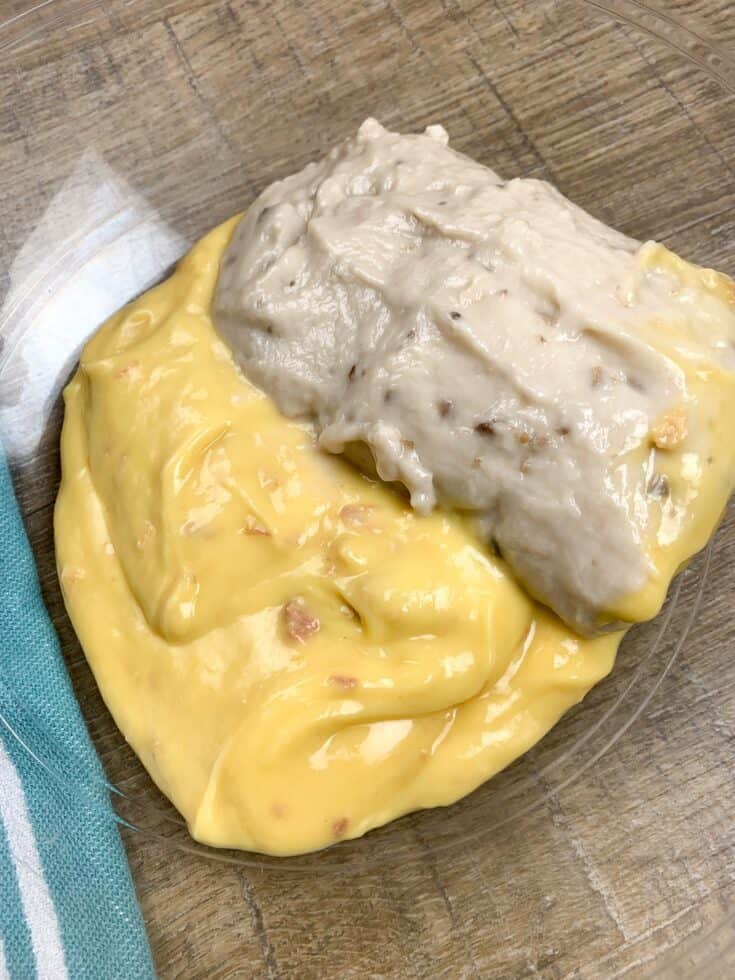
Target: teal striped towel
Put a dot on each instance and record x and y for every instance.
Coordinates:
(67, 903)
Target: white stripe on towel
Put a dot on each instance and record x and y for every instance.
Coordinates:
(35, 898)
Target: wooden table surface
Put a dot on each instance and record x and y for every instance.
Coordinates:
(127, 128)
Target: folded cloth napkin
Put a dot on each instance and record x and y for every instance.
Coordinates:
(67, 903)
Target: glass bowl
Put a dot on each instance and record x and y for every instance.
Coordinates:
(132, 127)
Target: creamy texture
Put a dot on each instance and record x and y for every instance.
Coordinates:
(294, 654)
(499, 351)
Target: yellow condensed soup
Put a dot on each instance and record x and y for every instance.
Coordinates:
(295, 655)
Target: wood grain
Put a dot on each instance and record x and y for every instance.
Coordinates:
(196, 105)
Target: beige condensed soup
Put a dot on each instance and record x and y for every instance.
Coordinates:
(498, 350)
